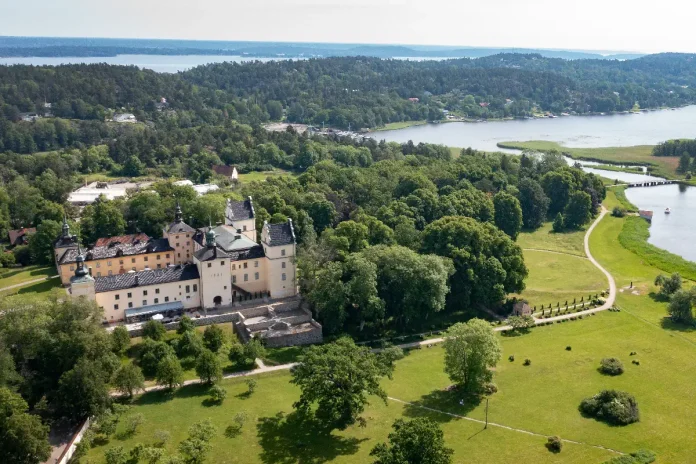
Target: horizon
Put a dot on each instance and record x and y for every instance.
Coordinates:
(603, 52)
(536, 24)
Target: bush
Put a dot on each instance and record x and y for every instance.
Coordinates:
(7, 259)
(489, 388)
(218, 394)
(554, 444)
(133, 423)
(22, 255)
(527, 362)
(185, 325)
(568, 348)
(251, 385)
(245, 355)
(618, 212)
(154, 330)
(611, 366)
(639, 457)
(162, 437)
(213, 338)
(611, 406)
(511, 358)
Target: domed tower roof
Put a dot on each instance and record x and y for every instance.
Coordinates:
(178, 215)
(80, 269)
(66, 228)
(210, 237)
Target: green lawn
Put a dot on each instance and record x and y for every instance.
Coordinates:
(399, 125)
(541, 398)
(555, 277)
(544, 238)
(261, 175)
(14, 276)
(641, 154)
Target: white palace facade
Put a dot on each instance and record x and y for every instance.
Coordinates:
(135, 277)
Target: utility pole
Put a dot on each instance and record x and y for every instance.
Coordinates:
(486, 426)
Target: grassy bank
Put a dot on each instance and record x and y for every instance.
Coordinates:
(620, 193)
(634, 237)
(399, 125)
(637, 155)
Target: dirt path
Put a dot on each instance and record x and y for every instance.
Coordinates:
(555, 252)
(493, 424)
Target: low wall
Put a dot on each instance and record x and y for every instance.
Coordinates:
(70, 449)
(307, 337)
(197, 321)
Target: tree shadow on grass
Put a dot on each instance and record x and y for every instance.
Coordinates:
(162, 396)
(658, 298)
(668, 324)
(299, 439)
(514, 333)
(450, 401)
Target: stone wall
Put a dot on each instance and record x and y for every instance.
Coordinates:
(199, 321)
(305, 337)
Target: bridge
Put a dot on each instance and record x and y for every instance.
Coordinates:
(652, 183)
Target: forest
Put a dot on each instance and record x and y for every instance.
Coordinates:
(356, 92)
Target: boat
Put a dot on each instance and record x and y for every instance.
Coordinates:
(667, 211)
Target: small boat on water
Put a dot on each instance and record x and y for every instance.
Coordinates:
(667, 211)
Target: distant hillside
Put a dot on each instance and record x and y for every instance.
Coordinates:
(56, 47)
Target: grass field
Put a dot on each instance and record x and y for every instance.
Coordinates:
(261, 175)
(541, 398)
(642, 155)
(399, 125)
(20, 275)
(544, 238)
(555, 277)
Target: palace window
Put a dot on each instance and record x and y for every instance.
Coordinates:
(156, 300)
(98, 264)
(195, 287)
(244, 228)
(144, 292)
(115, 307)
(120, 261)
(72, 268)
(158, 257)
(246, 277)
(144, 302)
(210, 265)
(111, 273)
(145, 258)
(117, 297)
(130, 305)
(234, 267)
(256, 276)
(157, 291)
(130, 295)
(282, 252)
(256, 264)
(159, 266)
(166, 299)
(234, 279)
(188, 289)
(283, 276)
(222, 262)
(282, 265)
(133, 260)
(98, 274)
(167, 256)
(245, 265)
(108, 263)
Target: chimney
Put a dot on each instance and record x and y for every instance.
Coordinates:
(90, 271)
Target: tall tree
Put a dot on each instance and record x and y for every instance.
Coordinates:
(487, 263)
(419, 441)
(508, 214)
(103, 218)
(23, 438)
(471, 351)
(558, 186)
(338, 377)
(41, 243)
(534, 203)
(578, 211)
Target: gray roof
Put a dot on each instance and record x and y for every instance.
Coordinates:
(66, 242)
(240, 210)
(280, 234)
(121, 249)
(233, 245)
(179, 227)
(146, 278)
(211, 253)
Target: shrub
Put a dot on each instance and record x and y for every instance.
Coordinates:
(611, 406)
(554, 444)
(161, 438)
(527, 362)
(611, 366)
(213, 338)
(636, 362)
(489, 388)
(511, 358)
(618, 212)
(251, 385)
(568, 348)
(639, 457)
(120, 340)
(133, 423)
(218, 394)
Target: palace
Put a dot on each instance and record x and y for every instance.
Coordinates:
(135, 277)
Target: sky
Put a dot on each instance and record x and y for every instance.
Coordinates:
(620, 25)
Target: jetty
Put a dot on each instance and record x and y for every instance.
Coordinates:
(652, 183)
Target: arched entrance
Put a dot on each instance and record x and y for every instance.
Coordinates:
(217, 300)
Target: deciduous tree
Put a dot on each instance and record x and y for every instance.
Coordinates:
(471, 351)
(417, 441)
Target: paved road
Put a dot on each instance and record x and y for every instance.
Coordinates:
(433, 341)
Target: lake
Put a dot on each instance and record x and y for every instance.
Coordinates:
(672, 232)
(158, 63)
(620, 130)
